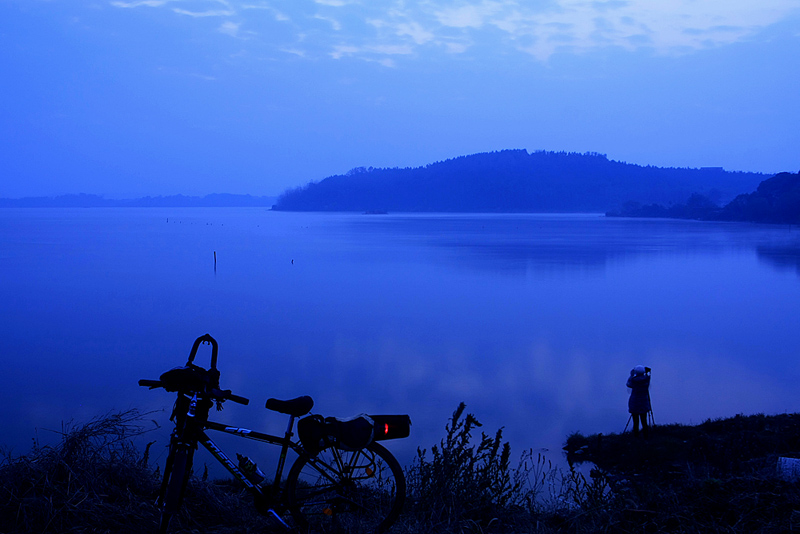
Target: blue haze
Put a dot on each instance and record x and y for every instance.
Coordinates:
(533, 320)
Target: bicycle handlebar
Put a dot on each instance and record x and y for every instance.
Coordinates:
(222, 394)
(226, 394)
(206, 338)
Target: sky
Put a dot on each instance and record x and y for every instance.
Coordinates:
(128, 98)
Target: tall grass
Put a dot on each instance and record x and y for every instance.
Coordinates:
(468, 484)
(94, 480)
(716, 477)
(460, 481)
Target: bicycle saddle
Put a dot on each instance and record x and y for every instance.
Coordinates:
(297, 407)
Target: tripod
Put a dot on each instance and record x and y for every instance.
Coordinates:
(650, 420)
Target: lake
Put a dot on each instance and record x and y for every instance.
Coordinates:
(533, 320)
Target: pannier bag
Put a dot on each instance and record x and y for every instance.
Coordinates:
(311, 431)
(354, 433)
(349, 434)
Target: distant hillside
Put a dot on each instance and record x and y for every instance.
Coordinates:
(514, 181)
(173, 201)
(777, 200)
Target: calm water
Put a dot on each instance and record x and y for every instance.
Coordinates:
(533, 320)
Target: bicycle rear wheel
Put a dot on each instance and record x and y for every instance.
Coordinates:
(176, 476)
(346, 491)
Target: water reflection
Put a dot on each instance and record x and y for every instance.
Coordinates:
(520, 243)
(533, 321)
(783, 257)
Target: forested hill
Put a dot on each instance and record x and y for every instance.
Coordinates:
(514, 181)
(777, 200)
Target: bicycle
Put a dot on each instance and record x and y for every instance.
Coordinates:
(342, 479)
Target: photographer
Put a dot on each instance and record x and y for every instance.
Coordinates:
(639, 401)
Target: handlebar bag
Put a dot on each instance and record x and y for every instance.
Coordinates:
(188, 378)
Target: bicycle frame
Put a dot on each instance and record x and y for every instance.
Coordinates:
(285, 443)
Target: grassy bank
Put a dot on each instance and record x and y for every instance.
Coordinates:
(719, 476)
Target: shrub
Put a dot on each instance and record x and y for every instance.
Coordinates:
(462, 483)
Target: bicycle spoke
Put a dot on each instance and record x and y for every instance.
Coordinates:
(347, 491)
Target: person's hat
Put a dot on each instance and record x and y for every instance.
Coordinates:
(639, 369)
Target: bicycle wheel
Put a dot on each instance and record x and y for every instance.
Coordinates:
(176, 476)
(346, 491)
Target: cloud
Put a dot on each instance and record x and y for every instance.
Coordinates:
(197, 4)
(333, 22)
(150, 3)
(209, 13)
(540, 28)
(279, 15)
(294, 51)
(578, 25)
(333, 3)
(230, 28)
(470, 15)
(340, 51)
(415, 31)
(374, 53)
(391, 49)
(456, 48)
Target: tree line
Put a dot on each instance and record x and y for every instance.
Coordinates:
(514, 181)
(776, 200)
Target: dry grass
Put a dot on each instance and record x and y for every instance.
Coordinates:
(715, 477)
(96, 481)
(719, 476)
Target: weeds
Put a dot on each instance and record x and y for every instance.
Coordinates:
(715, 477)
(94, 479)
(466, 487)
(462, 483)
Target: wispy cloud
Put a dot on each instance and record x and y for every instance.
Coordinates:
(209, 13)
(470, 15)
(663, 25)
(150, 3)
(415, 31)
(378, 53)
(333, 3)
(279, 15)
(540, 28)
(330, 20)
(229, 28)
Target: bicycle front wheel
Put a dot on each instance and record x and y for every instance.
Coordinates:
(346, 491)
(176, 476)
